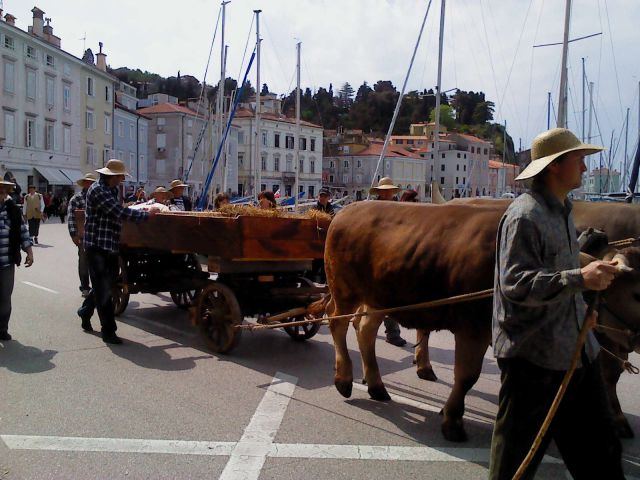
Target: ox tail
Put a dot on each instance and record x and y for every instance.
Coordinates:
(320, 307)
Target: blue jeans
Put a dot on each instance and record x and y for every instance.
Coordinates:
(7, 275)
(103, 271)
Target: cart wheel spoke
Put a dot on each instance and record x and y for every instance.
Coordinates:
(218, 312)
(302, 332)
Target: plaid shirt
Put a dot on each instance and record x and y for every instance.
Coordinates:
(103, 217)
(5, 225)
(77, 202)
(538, 308)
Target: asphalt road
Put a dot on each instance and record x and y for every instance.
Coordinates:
(162, 407)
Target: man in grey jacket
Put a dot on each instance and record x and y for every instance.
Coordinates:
(538, 313)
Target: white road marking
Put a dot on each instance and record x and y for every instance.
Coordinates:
(35, 285)
(423, 406)
(117, 445)
(247, 451)
(251, 451)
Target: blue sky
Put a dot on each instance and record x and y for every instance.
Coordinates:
(488, 47)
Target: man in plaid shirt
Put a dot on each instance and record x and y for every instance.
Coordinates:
(13, 237)
(78, 202)
(104, 215)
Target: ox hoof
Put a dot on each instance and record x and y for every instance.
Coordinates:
(427, 374)
(623, 429)
(344, 387)
(454, 431)
(379, 393)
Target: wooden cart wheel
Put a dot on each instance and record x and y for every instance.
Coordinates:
(185, 298)
(217, 312)
(120, 294)
(302, 332)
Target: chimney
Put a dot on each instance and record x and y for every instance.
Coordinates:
(0, 12)
(10, 19)
(38, 22)
(48, 34)
(101, 59)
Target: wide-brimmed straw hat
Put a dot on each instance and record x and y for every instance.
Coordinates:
(385, 183)
(159, 190)
(550, 145)
(7, 183)
(176, 184)
(114, 167)
(89, 177)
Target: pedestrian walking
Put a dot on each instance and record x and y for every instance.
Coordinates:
(179, 199)
(386, 190)
(324, 203)
(33, 210)
(538, 312)
(104, 215)
(79, 202)
(13, 237)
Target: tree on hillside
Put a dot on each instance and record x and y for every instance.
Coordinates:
(483, 112)
(345, 96)
(447, 117)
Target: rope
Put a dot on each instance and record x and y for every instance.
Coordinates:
(626, 364)
(467, 297)
(624, 243)
(589, 321)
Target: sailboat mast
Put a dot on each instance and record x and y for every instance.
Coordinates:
(220, 98)
(297, 141)
(562, 103)
(589, 130)
(436, 130)
(257, 163)
(626, 141)
(583, 111)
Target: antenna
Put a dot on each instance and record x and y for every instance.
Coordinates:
(84, 41)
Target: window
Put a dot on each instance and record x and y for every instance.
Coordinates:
(189, 141)
(91, 155)
(9, 128)
(265, 139)
(263, 162)
(441, 180)
(31, 85)
(66, 139)
(301, 165)
(132, 159)
(443, 155)
(398, 142)
(464, 180)
(263, 187)
(107, 93)
(49, 136)
(90, 90)
(275, 187)
(161, 121)
(106, 155)
(464, 168)
(289, 142)
(330, 178)
(142, 167)
(51, 61)
(9, 43)
(472, 149)
(241, 137)
(131, 131)
(312, 191)
(465, 156)
(276, 164)
(458, 154)
(241, 159)
(276, 140)
(303, 143)
(66, 69)
(30, 133)
(345, 163)
(31, 52)
(485, 151)
(161, 141)
(120, 128)
(331, 164)
(107, 124)
(120, 155)
(51, 91)
(190, 123)
(345, 178)
(312, 166)
(457, 180)
(289, 163)
(409, 142)
(313, 144)
(359, 163)
(442, 168)
(9, 77)
(457, 168)
(66, 97)
(301, 188)
(90, 120)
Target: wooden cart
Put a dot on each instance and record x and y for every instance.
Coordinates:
(255, 267)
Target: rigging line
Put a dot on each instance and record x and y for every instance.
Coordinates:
(535, 36)
(506, 87)
(613, 55)
(204, 78)
(493, 71)
(269, 37)
(244, 56)
(424, 68)
(600, 46)
(470, 45)
(453, 46)
(313, 97)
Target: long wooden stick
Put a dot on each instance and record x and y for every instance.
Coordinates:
(582, 337)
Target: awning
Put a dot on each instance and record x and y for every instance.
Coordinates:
(53, 175)
(71, 174)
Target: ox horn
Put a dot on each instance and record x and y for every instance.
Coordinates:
(586, 259)
(623, 263)
(436, 196)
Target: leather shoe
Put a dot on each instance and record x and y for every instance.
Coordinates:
(397, 341)
(111, 338)
(86, 325)
(5, 336)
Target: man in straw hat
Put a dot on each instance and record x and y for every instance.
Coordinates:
(386, 190)
(13, 237)
(79, 202)
(538, 312)
(104, 215)
(181, 201)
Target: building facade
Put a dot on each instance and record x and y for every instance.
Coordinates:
(130, 134)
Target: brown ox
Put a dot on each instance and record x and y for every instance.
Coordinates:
(385, 254)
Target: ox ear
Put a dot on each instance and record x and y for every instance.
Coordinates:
(623, 263)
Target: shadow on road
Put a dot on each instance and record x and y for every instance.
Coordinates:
(156, 357)
(20, 358)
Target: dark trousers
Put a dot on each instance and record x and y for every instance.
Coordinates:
(582, 428)
(83, 269)
(391, 328)
(34, 227)
(103, 271)
(6, 289)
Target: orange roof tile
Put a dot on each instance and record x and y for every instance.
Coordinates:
(168, 108)
(245, 113)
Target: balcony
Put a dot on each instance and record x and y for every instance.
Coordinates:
(288, 176)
